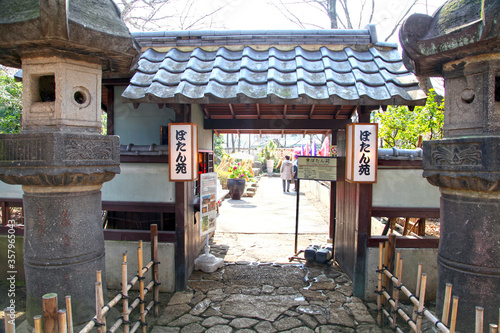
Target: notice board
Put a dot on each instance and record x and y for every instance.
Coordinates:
(208, 201)
(317, 168)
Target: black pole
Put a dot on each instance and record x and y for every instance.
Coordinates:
(297, 216)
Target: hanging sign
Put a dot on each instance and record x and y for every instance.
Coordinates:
(361, 153)
(183, 152)
(317, 168)
(208, 202)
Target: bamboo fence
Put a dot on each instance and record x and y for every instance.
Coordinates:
(61, 321)
(388, 281)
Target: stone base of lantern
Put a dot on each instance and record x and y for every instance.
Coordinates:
(64, 247)
(469, 255)
(62, 175)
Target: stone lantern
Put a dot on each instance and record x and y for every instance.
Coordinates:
(461, 43)
(60, 159)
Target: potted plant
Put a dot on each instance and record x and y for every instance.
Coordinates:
(269, 154)
(236, 181)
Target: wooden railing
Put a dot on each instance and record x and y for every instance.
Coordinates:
(56, 320)
(389, 283)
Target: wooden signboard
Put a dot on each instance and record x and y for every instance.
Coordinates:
(317, 168)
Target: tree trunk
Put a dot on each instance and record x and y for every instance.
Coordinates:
(332, 13)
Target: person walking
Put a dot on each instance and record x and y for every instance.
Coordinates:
(286, 173)
(295, 170)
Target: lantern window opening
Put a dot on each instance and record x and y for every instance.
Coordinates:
(46, 88)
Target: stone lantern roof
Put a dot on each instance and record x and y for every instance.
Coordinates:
(459, 29)
(88, 30)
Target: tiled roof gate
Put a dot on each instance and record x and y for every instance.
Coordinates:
(322, 67)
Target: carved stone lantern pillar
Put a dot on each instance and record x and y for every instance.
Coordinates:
(460, 42)
(60, 159)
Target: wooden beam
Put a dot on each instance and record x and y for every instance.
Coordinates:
(407, 242)
(276, 124)
(136, 235)
(312, 110)
(205, 109)
(284, 111)
(231, 109)
(405, 212)
(339, 109)
(142, 207)
(258, 110)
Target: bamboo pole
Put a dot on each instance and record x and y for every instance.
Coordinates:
(417, 291)
(379, 289)
(69, 314)
(386, 262)
(399, 273)
(454, 310)
(155, 274)
(98, 308)
(38, 323)
(493, 328)
(447, 303)
(101, 295)
(390, 320)
(415, 301)
(132, 307)
(91, 324)
(125, 312)
(61, 316)
(141, 287)
(49, 305)
(400, 311)
(392, 251)
(479, 319)
(421, 302)
(10, 325)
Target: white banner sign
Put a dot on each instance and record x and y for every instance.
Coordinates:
(183, 152)
(361, 153)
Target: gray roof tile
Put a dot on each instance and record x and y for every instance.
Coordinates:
(368, 74)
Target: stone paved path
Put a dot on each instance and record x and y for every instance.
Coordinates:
(258, 289)
(250, 297)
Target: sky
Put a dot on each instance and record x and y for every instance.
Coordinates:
(263, 15)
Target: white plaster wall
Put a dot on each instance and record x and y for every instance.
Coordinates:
(10, 191)
(404, 188)
(143, 182)
(139, 126)
(411, 258)
(320, 191)
(114, 256)
(204, 136)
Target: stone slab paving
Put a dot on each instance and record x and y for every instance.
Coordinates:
(267, 298)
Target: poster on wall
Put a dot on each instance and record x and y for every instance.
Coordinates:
(208, 202)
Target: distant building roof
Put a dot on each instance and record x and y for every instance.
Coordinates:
(339, 67)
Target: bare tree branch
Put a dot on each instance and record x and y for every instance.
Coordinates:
(398, 23)
(201, 18)
(165, 14)
(372, 12)
(343, 3)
